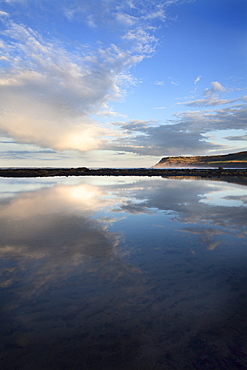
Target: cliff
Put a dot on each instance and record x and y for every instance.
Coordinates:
(233, 160)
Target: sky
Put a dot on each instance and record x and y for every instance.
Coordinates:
(121, 83)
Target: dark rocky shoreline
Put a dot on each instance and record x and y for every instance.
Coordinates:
(83, 171)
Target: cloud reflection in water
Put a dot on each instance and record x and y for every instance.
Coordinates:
(212, 208)
(131, 272)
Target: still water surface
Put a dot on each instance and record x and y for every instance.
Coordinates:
(123, 273)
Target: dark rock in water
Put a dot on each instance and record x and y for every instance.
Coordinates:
(231, 175)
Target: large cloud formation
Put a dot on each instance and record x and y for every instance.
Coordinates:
(49, 90)
(54, 93)
(187, 133)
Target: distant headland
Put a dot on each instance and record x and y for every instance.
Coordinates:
(231, 167)
(233, 160)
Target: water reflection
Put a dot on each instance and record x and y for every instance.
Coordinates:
(213, 208)
(123, 273)
(52, 231)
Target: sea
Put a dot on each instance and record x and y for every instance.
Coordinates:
(123, 273)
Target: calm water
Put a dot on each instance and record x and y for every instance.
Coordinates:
(123, 273)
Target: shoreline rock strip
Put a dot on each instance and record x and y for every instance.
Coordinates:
(150, 172)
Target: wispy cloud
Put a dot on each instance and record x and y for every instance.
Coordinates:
(212, 101)
(3, 14)
(197, 80)
(237, 137)
(211, 97)
(159, 83)
(173, 81)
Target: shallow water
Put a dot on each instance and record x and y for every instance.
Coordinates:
(123, 273)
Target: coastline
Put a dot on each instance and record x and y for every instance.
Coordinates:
(210, 173)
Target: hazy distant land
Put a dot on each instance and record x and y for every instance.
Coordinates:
(233, 160)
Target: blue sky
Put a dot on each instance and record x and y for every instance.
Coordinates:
(121, 83)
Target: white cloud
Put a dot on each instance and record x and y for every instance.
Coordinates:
(3, 14)
(157, 13)
(126, 19)
(216, 88)
(212, 101)
(173, 81)
(186, 134)
(48, 94)
(197, 80)
(233, 117)
(159, 83)
(212, 97)
(171, 2)
(115, 13)
(144, 44)
(48, 101)
(12, 2)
